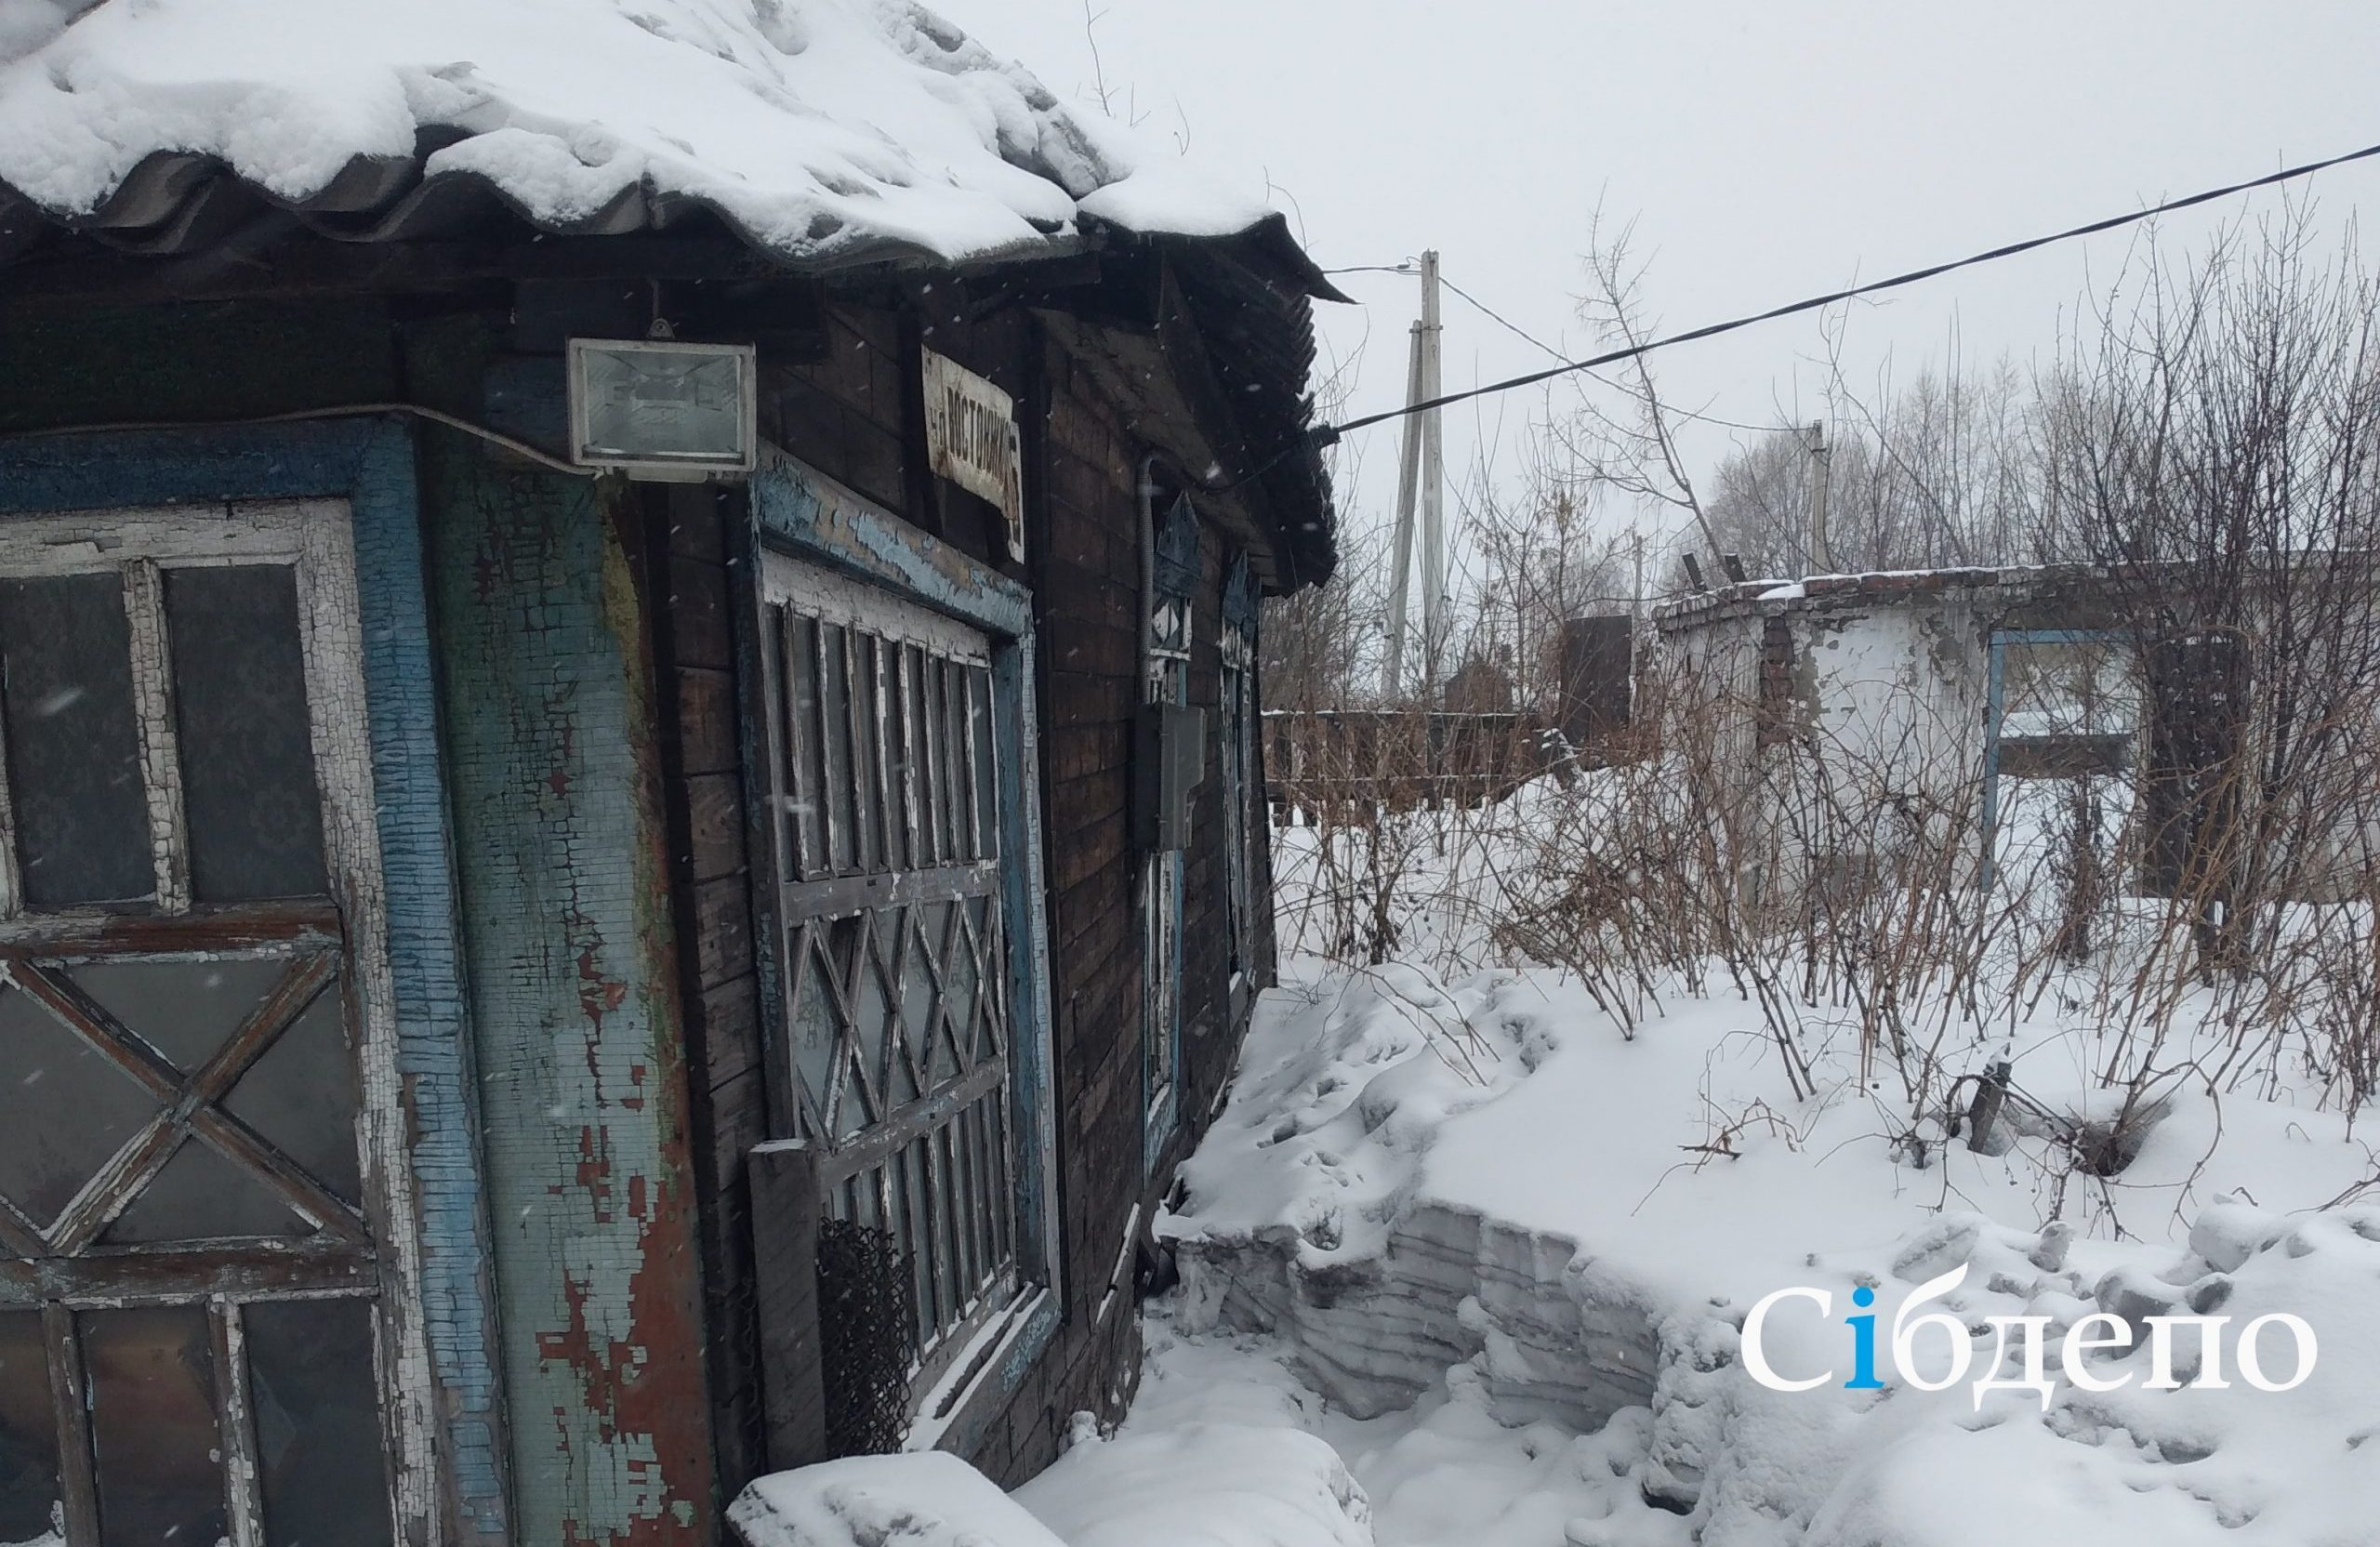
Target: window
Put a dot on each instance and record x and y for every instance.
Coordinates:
(191, 1293)
(1166, 680)
(1240, 764)
(2070, 703)
(894, 982)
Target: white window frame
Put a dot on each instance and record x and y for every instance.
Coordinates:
(314, 536)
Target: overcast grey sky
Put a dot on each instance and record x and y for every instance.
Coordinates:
(1766, 150)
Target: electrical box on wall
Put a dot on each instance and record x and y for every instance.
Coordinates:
(1169, 763)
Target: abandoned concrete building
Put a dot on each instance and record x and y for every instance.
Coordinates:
(1903, 709)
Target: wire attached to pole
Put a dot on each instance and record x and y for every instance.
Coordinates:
(1329, 435)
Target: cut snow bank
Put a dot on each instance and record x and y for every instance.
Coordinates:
(1483, 1195)
(1306, 1213)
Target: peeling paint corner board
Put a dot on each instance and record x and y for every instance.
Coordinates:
(972, 439)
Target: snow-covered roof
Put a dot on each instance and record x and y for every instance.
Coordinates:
(825, 132)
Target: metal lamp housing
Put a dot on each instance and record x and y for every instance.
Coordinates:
(663, 410)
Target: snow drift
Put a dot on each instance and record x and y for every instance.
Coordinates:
(1482, 1198)
(925, 1499)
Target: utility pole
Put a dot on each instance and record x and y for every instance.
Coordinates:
(1821, 465)
(1391, 677)
(1421, 474)
(1434, 531)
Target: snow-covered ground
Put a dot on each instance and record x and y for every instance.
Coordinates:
(1468, 1257)
(1460, 1207)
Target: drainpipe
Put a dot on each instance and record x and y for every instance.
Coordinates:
(1149, 492)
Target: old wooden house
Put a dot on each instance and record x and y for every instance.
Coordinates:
(631, 834)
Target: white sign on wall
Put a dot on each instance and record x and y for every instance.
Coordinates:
(972, 439)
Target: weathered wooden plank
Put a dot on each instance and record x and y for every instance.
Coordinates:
(177, 1274)
(785, 1253)
(699, 615)
(1075, 750)
(69, 1388)
(732, 1044)
(876, 461)
(1079, 645)
(545, 608)
(722, 930)
(235, 1425)
(194, 933)
(810, 422)
(1087, 854)
(714, 825)
(1107, 892)
(20, 1235)
(152, 689)
(707, 726)
(710, 834)
(697, 524)
(1083, 800)
(739, 1120)
(850, 893)
(1084, 698)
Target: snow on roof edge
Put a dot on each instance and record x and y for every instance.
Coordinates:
(827, 133)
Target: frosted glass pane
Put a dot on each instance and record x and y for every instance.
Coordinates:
(318, 1426)
(152, 1426)
(74, 740)
(247, 756)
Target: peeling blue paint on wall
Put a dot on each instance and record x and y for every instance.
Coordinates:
(804, 510)
(550, 727)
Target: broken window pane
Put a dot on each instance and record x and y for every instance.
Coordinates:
(317, 1423)
(29, 1499)
(300, 1095)
(74, 740)
(64, 1109)
(247, 758)
(152, 1426)
(185, 1009)
(202, 1195)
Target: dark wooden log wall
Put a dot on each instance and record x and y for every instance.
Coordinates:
(695, 547)
(853, 413)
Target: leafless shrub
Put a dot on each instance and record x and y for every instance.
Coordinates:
(2209, 913)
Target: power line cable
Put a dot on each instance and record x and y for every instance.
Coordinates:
(1324, 435)
(1516, 330)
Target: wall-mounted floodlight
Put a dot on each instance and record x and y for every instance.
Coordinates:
(678, 413)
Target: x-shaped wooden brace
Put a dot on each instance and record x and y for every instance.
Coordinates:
(188, 1108)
